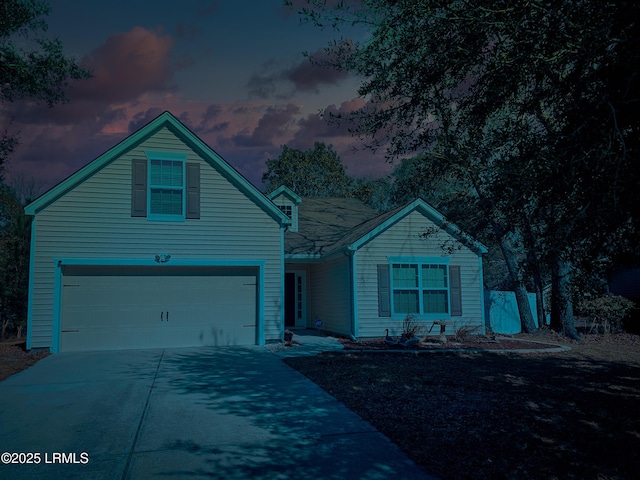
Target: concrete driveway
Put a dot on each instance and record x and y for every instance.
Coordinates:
(224, 412)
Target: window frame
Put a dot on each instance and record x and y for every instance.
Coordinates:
(421, 288)
(284, 207)
(173, 157)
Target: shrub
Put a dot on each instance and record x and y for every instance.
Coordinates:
(410, 327)
(462, 333)
(606, 312)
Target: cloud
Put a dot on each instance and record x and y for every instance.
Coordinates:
(127, 65)
(50, 154)
(311, 73)
(307, 76)
(140, 119)
(211, 113)
(317, 127)
(359, 160)
(275, 123)
(184, 62)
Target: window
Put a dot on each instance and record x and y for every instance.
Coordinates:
(420, 288)
(166, 187)
(286, 209)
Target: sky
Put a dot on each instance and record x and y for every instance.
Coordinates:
(232, 70)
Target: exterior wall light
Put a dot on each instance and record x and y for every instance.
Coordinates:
(162, 258)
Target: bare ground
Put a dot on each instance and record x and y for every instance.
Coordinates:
(469, 414)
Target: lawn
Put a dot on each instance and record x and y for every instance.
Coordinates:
(566, 415)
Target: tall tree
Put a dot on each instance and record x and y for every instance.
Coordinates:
(32, 68)
(317, 172)
(374, 192)
(528, 106)
(15, 232)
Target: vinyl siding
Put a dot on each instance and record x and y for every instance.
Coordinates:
(403, 240)
(331, 295)
(93, 220)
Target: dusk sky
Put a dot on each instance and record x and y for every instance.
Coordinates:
(231, 70)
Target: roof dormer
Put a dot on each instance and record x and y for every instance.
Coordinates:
(287, 201)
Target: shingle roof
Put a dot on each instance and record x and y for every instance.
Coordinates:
(324, 222)
(327, 225)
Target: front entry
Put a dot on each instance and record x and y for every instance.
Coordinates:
(294, 299)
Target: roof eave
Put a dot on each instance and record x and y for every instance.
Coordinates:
(287, 191)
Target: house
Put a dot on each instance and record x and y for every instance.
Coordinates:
(358, 272)
(160, 243)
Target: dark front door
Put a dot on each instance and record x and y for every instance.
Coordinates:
(289, 299)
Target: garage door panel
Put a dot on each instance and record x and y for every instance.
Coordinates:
(102, 310)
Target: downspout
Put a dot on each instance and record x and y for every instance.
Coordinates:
(482, 304)
(353, 334)
(32, 256)
(283, 229)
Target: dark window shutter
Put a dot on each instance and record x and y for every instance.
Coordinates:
(139, 188)
(455, 290)
(193, 190)
(384, 293)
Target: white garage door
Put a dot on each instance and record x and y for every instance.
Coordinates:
(109, 308)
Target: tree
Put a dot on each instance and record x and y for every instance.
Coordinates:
(317, 172)
(375, 192)
(15, 232)
(527, 107)
(31, 67)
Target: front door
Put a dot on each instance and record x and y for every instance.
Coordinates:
(294, 299)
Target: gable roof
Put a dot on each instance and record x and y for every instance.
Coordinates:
(323, 222)
(329, 225)
(163, 120)
(287, 192)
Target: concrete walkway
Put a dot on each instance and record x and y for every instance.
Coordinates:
(306, 342)
(224, 412)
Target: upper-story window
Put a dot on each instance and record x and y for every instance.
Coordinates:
(286, 209)
(166, 188)
(287, 201)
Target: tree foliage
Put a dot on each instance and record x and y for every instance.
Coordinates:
(528, 108)
(31, 67)
(15, 233)
(317, 172)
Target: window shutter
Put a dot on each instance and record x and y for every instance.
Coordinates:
(139, 187)
(456, 290)
(193, 190)
(384, 293)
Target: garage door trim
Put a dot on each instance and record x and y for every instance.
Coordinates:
(150, 262)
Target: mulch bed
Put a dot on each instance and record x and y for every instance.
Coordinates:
(14, 358)
(476, 342)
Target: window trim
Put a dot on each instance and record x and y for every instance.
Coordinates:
(419, 261)
(283, 203)
(284, 207)
(170, 156)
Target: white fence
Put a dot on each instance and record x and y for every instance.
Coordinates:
(501, 311)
